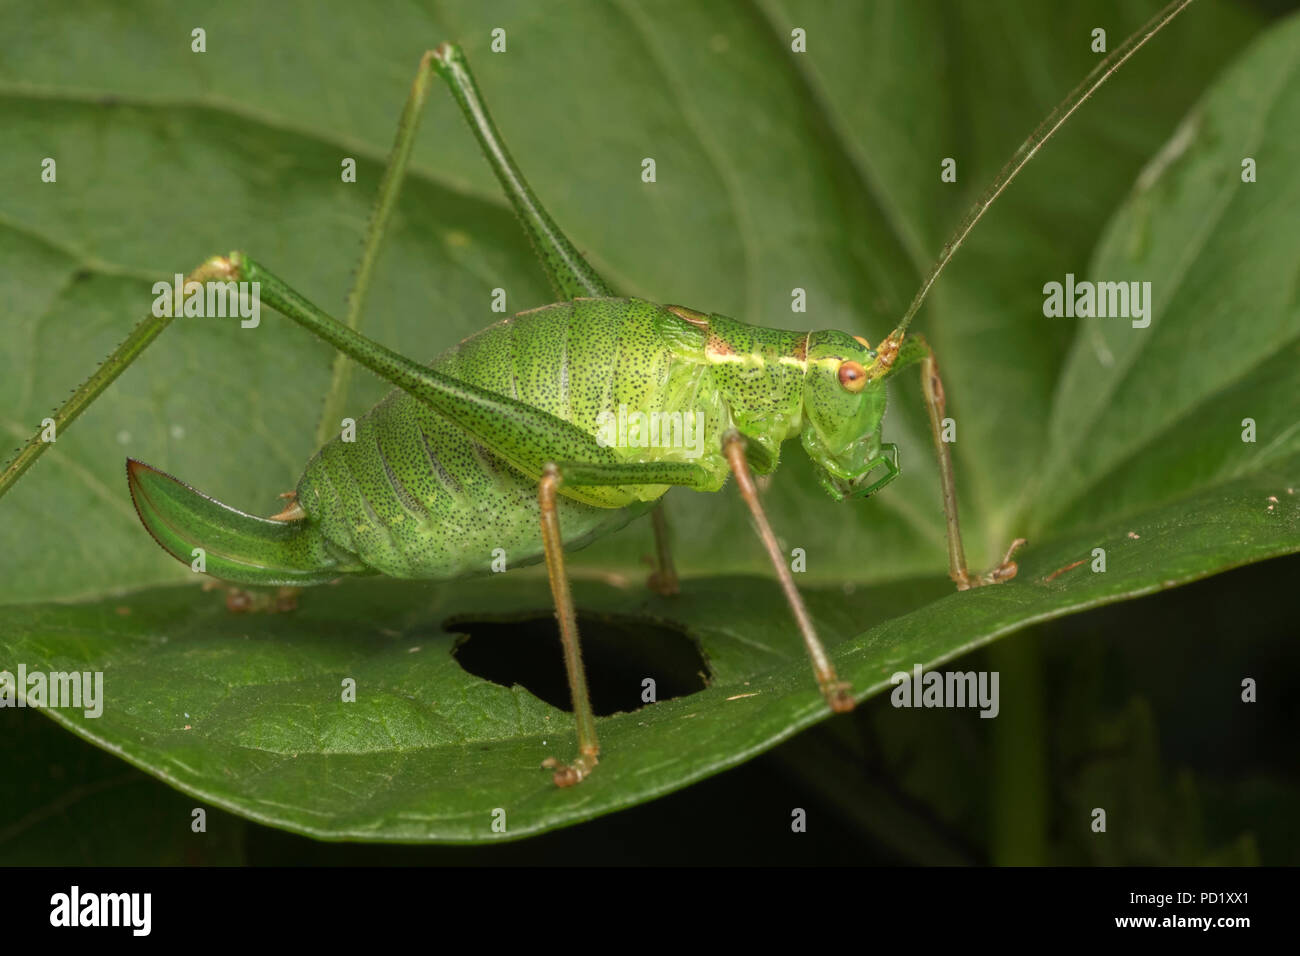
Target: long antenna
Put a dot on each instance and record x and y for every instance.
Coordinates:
(1046, 129)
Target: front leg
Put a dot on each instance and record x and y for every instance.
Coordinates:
(916, 349)
(838, 694)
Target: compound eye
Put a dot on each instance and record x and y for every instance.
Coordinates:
(853, 376)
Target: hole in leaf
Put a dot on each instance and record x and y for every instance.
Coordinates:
(619, 654)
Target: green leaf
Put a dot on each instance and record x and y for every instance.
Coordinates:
(247, 712)
(776, 170)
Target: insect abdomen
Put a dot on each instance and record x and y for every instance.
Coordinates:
(414, 496)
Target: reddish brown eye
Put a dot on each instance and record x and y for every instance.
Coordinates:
(853, 376)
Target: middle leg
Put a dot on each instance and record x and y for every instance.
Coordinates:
(553, 476)
(663, 579)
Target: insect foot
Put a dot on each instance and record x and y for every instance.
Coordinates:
(1003, 572)
(567, 775)
(257, 600)
(663, 582)
(840, 697)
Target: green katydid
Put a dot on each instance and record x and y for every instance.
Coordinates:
(499, 442)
